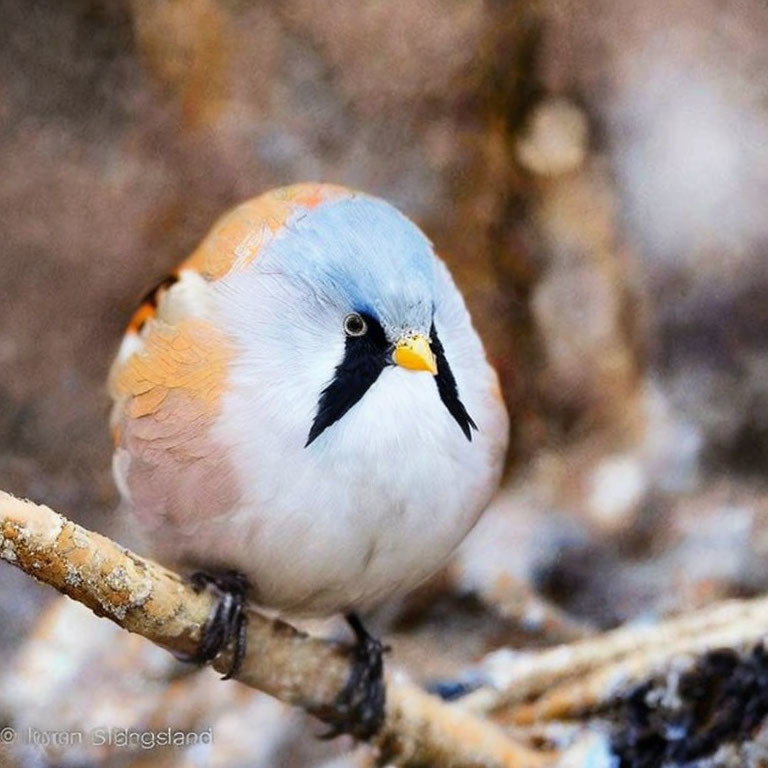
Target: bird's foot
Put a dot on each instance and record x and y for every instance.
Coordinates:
(359, 708)
(226, 624)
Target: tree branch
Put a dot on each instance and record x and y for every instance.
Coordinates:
(571, 681)
(151, 601)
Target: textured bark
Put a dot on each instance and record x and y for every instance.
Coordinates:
(147, 599)
(575, 680)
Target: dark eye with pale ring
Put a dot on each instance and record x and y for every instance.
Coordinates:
(355, 325)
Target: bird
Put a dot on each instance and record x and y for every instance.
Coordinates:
(304, 417)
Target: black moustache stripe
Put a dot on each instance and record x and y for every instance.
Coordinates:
(364, 360)
(365, 357)
(446, 386)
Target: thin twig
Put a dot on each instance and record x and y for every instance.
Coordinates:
(576, 678)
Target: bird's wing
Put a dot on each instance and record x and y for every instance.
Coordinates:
(171, 370)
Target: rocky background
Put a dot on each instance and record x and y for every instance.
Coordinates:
(596, 175)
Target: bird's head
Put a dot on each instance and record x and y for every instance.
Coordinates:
(342, 292)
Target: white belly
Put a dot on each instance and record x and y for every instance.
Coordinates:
(373, 507)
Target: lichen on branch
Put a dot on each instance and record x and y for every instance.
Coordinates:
(147, 599)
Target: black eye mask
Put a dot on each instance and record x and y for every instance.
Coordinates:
(446, 386)
(365, 357)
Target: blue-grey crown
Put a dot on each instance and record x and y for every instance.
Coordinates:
(363, 253)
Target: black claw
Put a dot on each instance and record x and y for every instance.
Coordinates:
(227, 623)
(359, 707)
(239, 654)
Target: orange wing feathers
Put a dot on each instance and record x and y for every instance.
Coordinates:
(171, 344)
(171, 371)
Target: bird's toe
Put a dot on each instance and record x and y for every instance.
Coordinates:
(227, 622)
(360, 706)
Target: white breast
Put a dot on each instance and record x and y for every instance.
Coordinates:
(379, 501)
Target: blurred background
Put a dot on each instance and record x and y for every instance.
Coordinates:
(595, 173)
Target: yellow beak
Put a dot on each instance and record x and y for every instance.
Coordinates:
(413, 352)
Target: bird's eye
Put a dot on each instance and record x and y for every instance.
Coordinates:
(355, 325)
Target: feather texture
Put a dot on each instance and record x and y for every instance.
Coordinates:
(248, 434)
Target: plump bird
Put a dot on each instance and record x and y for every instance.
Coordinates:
(305, 403)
